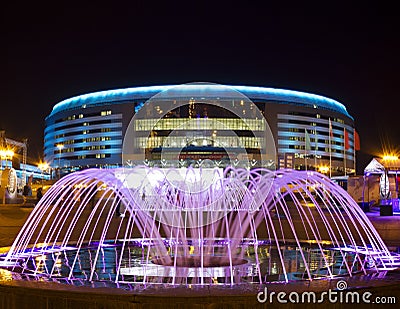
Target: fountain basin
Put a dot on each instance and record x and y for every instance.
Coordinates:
(249, 227)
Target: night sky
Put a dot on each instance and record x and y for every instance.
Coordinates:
(350, 54)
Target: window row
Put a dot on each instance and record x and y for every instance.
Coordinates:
(93, 147)
(79, 133)
(91, 156)
(80, 116)
(200, 124)
(178, 141)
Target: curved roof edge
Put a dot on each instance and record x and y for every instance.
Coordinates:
(252, 92)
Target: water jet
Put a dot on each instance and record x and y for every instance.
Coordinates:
(228, 227)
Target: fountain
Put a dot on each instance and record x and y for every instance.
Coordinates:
(146, 226)
(207, 228)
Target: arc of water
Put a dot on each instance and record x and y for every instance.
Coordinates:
(293, 229)
(103, 236)
(268, 219)
(334, 211)
(342, 222)
(130, 222)
(253, 228)
(315, 231)
(85, 229)
(366, 228)
(23, 239)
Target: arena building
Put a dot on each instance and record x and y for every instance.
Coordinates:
(201, 121)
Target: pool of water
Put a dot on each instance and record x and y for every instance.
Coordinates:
(139, 263)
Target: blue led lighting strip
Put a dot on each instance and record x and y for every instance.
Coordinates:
(286, 96)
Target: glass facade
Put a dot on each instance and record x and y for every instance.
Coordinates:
(200, 132)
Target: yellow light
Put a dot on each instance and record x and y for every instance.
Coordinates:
(311, 205)
(60, 146)
(6, 153)
(390, 158)
(58, 263)
(40, 258)
(322, 242)
(323, 169)
(80, 185)
(6, 275)
(9, 153)
(43, 166)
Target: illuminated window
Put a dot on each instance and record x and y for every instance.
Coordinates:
(200, 124)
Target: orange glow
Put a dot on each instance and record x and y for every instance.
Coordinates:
(43, 166)
(6, 153)
(390, 157)
(323, 169)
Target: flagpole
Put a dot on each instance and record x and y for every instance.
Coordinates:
(330, 149)
(305, 158)
(315, 149)
(344, 150)
(305, 148)
(354, 151)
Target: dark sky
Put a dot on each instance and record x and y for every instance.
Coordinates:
(350, 54)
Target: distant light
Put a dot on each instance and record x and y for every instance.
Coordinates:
(6, 153)
(323, 169)
(390, 158)
(60, 146)
(43, 166)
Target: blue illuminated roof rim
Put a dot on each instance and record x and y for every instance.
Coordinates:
(253, 92)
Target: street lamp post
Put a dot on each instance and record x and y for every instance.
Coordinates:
(390, 162)
(2, 157)
(43, 167)
(60, 148)
(6, 155)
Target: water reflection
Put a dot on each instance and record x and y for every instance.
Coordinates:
(101, 265)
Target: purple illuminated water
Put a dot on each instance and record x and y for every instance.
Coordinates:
(196, 226)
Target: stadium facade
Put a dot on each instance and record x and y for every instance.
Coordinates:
(308, 131)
